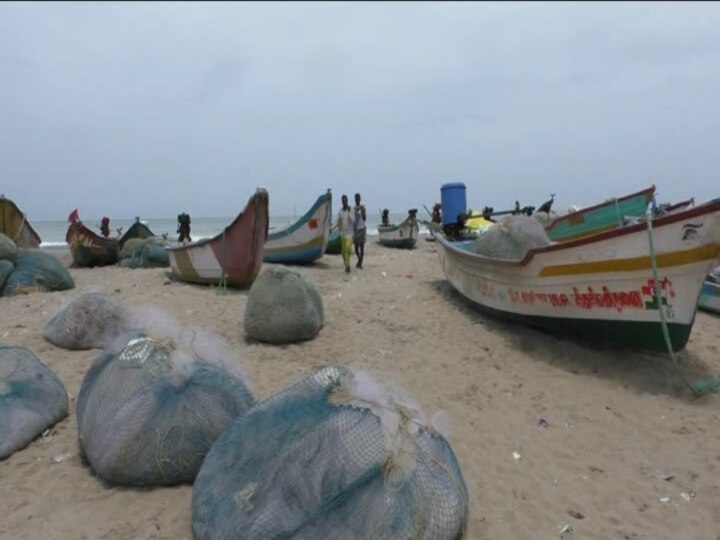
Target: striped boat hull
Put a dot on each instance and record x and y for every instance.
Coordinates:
(89, 249)
(600, 217)
(600, 287)
(403, 236)
(304, 241)
(234, 255)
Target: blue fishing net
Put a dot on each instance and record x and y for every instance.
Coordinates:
(90, 321)
(6, 268)
(283, 307)
(144, 253)
(32, 399)
(149, 409)
(326, 459)
(36, 270)
(8, 249)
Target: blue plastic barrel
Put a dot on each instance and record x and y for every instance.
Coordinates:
(453, 201)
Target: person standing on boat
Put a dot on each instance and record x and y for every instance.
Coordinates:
(359, 230)
(345, 226)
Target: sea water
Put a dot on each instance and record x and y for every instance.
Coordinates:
(53, 233)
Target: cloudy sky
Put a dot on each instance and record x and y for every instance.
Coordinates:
(149, 109)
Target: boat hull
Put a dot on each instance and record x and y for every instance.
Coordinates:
(334, 245)
(14, 224)
(89, 249)
(601, 287)
(305, 241)
(136, 230)
(710, 297)
(599, 218)
(403, 236)
(234, 255)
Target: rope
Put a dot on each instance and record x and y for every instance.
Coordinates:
(701, 386)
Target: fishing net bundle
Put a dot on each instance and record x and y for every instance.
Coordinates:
(144, 253)
(32, 399)
(155, 400)
(334, 456)
(36, 270)
(283, 307)
(8, 249)
(6, 268)
(90, 321)
(511, 238)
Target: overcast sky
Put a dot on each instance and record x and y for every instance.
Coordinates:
(151, 109)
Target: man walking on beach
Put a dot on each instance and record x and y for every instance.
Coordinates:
(345, 226)
(359, 230)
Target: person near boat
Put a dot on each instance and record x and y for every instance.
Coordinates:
(345, 226)
(359, 228)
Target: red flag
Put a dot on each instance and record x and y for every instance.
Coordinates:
(74, 216)
(313, 223)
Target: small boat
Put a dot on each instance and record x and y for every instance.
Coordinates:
(402, 236)
(710, 296)
(136, 230)
(89, 249)
(334, 245)
(305, 240)
(600, 287)
(234, 256)
(600, 217)
(14, 224)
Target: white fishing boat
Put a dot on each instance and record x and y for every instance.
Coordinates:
(404, 235)
(601, 286)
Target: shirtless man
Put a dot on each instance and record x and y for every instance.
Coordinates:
(360, 216)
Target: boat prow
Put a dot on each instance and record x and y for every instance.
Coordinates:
(234, 255)
(305, 240)
(89, 249)
(14, 224)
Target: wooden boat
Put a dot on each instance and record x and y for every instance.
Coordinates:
(334, 245)
(14, 224)
(136, 230)
(600, 217)
(602, 286)
(89, 249)
(305, 240)
(402, 236)
(234, 255)
(710, 296)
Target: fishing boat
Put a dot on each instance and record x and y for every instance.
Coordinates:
(404, 235)
(600, 217)
(89, 249)
(305, 240)
(234, 256)
(334, 245)
(710, 296)
(136, 230)
(600, 287)
(14, 224)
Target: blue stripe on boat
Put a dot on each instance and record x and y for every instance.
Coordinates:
(298, 257)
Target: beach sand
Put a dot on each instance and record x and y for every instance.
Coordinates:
(623, 431)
